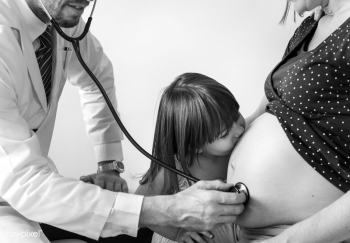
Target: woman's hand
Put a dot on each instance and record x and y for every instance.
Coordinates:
(184, 236)
(260, 110)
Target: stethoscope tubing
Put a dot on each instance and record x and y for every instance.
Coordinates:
(239, 187)
(75, 44)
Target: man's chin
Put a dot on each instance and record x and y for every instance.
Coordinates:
(68, 23)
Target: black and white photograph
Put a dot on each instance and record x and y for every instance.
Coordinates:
(164, 121)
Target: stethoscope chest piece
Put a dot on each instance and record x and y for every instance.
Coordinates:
(241, 188)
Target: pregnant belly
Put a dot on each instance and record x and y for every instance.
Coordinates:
(284, 188)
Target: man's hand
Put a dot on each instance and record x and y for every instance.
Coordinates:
(109, 180)
(206, 205)
(202, 207)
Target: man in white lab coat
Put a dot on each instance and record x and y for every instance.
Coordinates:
(32, 76)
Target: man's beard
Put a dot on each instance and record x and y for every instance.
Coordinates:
(64, 23)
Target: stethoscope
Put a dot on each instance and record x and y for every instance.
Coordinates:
(239, 187)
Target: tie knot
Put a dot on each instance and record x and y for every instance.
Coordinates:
(45, 38)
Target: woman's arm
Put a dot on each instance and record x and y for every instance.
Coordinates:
(329, 225)
(260, 110)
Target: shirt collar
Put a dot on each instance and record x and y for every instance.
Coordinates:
(35, 27)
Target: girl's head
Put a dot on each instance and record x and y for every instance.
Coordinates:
(196, 113)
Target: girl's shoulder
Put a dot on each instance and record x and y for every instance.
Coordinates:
(183, 182)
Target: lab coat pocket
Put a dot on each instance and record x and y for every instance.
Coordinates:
(66, 55)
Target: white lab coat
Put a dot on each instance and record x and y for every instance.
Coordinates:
(29, 181)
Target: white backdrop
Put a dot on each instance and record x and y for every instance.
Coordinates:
(150, 42)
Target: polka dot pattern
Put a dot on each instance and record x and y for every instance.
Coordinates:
(309, 93)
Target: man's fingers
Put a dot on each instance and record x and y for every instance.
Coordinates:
(87, 179)
(216, 185)
(229, 197)
(107, 181)
(110, 186)
(226, 198)
(229, 210)
(116, 187)
(100, 184)
(125, 188)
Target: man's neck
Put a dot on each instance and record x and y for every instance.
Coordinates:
(35, 6)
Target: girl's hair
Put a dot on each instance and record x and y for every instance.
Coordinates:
(194, 110)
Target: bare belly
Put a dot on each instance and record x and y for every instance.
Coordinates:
(284, 188)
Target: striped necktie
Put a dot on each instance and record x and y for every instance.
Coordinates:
(44, 58)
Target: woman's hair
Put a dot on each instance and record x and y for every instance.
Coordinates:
(286, 11)
(285, 15)
(194, 110)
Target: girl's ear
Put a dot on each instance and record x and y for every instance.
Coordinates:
(198, 151)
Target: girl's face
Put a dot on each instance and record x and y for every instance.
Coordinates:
(224, 145)
(301, 6)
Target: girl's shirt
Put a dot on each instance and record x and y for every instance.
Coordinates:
(222, 234)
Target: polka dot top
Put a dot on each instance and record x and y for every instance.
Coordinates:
(309, 93)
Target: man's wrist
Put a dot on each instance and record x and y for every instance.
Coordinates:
(105, 162)
(109, 151)
(110, 165)
(156, 211)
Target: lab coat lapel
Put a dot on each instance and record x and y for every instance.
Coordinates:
(33, 68)
(60, 62)
(56, 65)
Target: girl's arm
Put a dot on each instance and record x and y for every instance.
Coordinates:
(260, 110)
(329, 225)
(156, 189)
(172, 233)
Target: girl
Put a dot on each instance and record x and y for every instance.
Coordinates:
(197, 127)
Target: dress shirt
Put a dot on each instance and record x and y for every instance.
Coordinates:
(29, 180)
